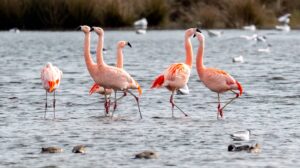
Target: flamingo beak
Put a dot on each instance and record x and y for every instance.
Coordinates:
(129, 44)
(197, 30)
(92, 29)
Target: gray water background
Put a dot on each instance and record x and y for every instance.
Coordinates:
(269, 105)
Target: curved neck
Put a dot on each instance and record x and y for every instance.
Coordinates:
(199, 60)
(99, 51)
(119, 58)
(188, 51)
(87, 55)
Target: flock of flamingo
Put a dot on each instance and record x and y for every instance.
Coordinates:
(110, 79)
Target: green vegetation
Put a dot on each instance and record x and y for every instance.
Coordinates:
(68, 14)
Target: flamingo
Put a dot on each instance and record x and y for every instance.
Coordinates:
(176, 76)
(51, 77)
(216, 80)
(108, 77)
(99, 89)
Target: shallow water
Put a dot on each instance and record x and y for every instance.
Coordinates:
(269, 105)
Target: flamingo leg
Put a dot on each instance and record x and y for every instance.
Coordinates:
(115, 103)
(237, 95)
(54, 101)
(106, 103)
(220, 112)
(46, 105)
(125, 94)
(173, 104)
(137, 102)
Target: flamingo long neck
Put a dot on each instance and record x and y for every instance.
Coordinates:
(199, 61)
(188, 51)
(87, 54)
(99, 51)
(119, 57)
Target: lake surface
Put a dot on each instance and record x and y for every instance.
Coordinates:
(269, 105)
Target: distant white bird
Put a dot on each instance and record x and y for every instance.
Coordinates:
(241, 135)
(250, 27)
(284, 19)
(140, 31)
(14, 30)
(265, 50)
(141, 26)
(285, 28)
(255, 37)
(239, 59)
(214, 33)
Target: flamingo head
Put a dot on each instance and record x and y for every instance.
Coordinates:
(85, 28)
(199, 35)
(122, 44)
(197, 30)
(190, 32)
(99, 31)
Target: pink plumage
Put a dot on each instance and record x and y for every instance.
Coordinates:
(176, 76)
(216, 80)
(51, 77)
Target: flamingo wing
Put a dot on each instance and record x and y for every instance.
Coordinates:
(177, 70)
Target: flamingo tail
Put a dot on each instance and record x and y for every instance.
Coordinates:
(51, 85)
(158, 82)
(93, 88)
(239, 87)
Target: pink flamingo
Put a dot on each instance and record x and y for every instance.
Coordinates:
(176, 76)
(98, 89)
(216, 80)
(51, 77)
(108, 77)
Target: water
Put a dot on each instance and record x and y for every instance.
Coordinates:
(269, 105)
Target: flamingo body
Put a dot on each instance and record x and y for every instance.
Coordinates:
(176, 76)
(216, 80)
(108, 77)
(219, 81)
(51, 77)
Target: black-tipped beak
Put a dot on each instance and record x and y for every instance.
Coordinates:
(92, 29)
(129, 44)
(197, 30)
(78, 28)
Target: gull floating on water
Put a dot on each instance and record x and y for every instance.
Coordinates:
(241, 135)
(255, 37)
(285, 28)
(250, 27)
(239, 58)
(214, 33)
(265, 50)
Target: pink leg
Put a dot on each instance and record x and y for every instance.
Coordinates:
(107, 102)
(236, 96)
(54, 101)
(173, 104)
(137, 101)
(220, 111)
(45, 106)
